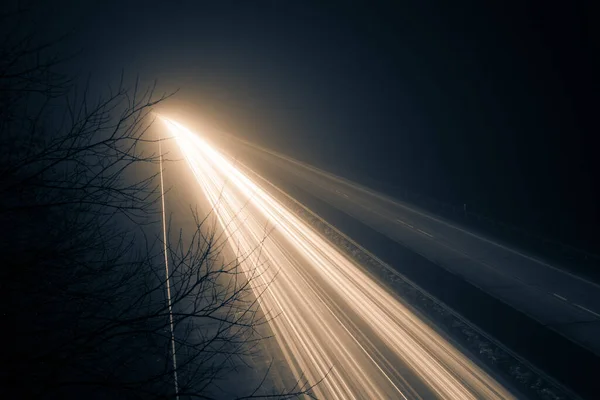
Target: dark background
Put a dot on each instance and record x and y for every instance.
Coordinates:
(493, 104)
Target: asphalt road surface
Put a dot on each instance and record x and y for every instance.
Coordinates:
(334, 324)
(564, 302)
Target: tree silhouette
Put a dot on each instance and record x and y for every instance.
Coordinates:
(83, 278)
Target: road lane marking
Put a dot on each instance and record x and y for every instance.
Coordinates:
(410, 226)
(577, 305)
(559, 296)
(343, 194)
(425, 233)
(587, 309)
(404, 223)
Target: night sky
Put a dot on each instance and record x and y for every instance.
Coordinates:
(491, 105)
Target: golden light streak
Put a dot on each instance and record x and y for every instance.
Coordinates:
(324, 299)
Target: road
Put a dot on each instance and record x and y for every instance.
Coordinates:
(564, 302)
(335, 325)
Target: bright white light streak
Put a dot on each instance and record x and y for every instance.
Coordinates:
(323, 297)
(167, 273)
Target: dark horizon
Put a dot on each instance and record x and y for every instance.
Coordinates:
(488, 105)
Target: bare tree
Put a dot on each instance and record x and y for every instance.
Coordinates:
(83, 280)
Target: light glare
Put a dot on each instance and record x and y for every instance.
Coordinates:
(322, 296)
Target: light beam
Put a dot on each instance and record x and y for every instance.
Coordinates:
(333, 316)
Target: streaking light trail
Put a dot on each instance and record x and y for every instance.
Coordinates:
(334, 319)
